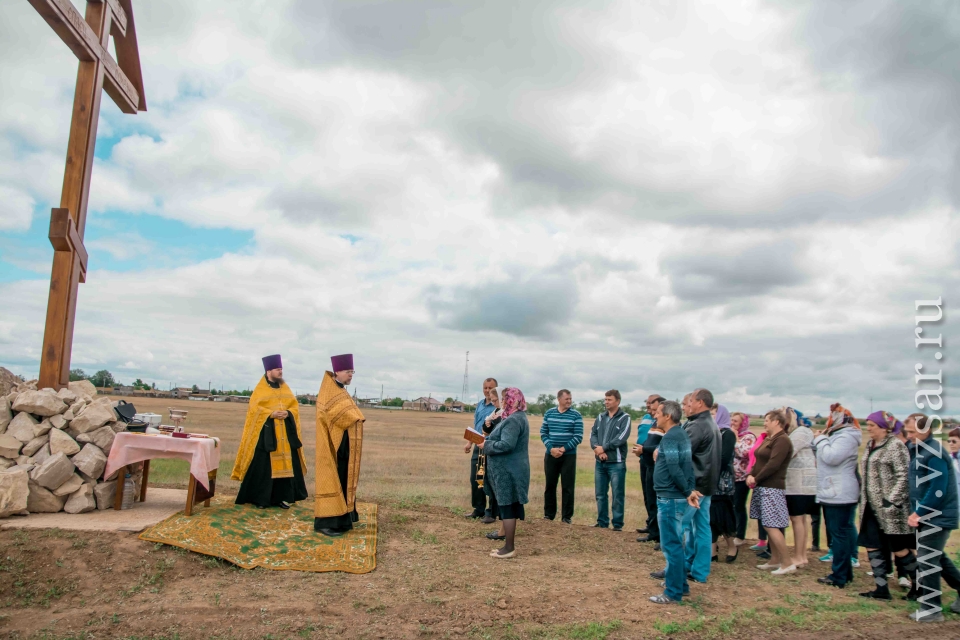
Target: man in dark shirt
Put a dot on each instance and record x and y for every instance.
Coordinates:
(705, 444)
(677, 500)
(608, 439)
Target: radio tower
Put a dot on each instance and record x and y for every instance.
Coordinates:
(466, 379)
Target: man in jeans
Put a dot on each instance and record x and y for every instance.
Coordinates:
(935, 514)
(677, 501)
(561, 433)
(646, 470)
(608, 439)
(705, 445)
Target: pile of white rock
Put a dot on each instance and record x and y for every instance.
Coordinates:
(53, 449)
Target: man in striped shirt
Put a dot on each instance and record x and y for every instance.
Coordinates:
(608, 438)
(561, 433)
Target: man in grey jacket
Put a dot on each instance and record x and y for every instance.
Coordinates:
(704, 437)
(608, 439)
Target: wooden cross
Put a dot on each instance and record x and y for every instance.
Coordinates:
(88, 37)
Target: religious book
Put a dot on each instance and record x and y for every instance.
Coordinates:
(472, 436)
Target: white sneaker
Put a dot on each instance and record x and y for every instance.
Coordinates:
(905, 583)
(766, 566)
(779, 572)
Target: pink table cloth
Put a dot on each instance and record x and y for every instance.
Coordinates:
(203, 453)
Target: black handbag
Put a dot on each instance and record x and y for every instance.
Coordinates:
(125, 411)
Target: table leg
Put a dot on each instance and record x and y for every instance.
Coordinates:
(212, 477)
(143, 480)
(121, 478)
(191, 491)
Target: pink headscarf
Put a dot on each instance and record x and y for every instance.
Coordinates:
(744, 427)
(513, 401)
(752, 458)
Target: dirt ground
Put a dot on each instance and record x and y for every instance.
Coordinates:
(434, 578)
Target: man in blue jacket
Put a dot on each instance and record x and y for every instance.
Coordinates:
(608, 439)
(477, 496)
(933, 496)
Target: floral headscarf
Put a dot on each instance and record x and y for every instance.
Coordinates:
(513, 401)
(744, 427)
(883, 419)
(723, 417)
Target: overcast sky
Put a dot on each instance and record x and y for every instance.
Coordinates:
(648, 196)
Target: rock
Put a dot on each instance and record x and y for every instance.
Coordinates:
(87, 478)
(9, 446)
(43, 428)
(40, 403)
(60, 442)
(102, 437)
(57, 422)
(93, 417)
(21, 427)
(34, 445)
(28, 467)
(6, 464)
(77, 407)
(105, 493)
(73, 483)
(40, 456)
(117, 427)
(14, 492)
(68, 415)
(81, 501)
(8, 381)
(6, 415)
(67, 395)
(22, 459)
(83, 388)
(42, 500)
(54, 471)
(90, 460)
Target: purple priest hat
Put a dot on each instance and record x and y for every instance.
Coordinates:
(272, 362)
(342, 363)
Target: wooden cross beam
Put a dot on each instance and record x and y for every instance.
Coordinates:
(88, 37)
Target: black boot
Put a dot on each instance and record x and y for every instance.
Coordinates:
(882, 592)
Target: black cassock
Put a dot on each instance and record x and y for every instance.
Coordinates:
(259, 487)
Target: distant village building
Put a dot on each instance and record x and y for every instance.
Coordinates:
(181, 392)
(423, 404)
(455, 406)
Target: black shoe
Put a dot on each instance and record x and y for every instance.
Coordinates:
(911, 595)
(643, 530)
(566, 521)
(827, 580)
(473, 515)
(715, 558)
(284, 505)
(731, 559)
(764, 555)
(690, 578)
(877, 594)
(547, 518)
(618, 528)
(488, 520)
(333, 533)
(659, 575)
(493, 536)
(656, 547)
(599, 526)
(646, 538)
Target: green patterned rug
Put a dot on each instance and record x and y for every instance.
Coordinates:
(271, 538)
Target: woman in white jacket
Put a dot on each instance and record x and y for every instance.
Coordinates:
(801, 486)
(838, 491)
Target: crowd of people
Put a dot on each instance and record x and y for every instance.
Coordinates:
(700, 468)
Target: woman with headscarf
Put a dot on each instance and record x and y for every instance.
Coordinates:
(801, 485)
(885, 503)
(767, 479)
(838, 490)
(508, 466)
(723, 520)
(740, 423)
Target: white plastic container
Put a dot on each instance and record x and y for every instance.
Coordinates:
(152, 419)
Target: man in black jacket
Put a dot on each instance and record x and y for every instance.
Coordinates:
(704, 437)
(608, 439)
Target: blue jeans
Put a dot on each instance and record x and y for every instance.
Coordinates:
(699, 541)
(842, 534)
(673, 516)
(609, 475)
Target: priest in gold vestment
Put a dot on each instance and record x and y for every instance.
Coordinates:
(339, 443)
(270, 462)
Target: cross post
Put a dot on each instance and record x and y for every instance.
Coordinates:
(88, 37)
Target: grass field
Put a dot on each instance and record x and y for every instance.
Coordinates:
(434, 578)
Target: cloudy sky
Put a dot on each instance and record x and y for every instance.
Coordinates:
(649, 196)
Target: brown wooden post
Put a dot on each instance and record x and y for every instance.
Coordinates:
(89, 38)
